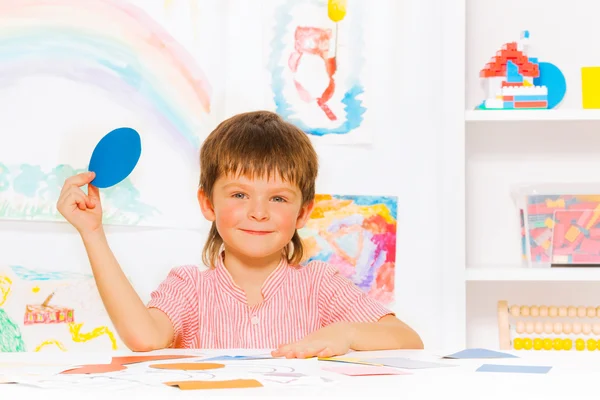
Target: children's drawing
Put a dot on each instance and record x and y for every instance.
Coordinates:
(91, 67)
(64, 313)
(358, 235)
(514, 80)
(316, 64)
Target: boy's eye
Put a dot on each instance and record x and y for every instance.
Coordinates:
(278, 199)
(239, 195)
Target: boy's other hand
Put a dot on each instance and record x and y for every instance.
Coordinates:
(330, 341)
(82, 211)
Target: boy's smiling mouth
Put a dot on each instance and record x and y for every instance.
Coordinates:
(253, 232)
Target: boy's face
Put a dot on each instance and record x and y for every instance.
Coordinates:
(255, 217)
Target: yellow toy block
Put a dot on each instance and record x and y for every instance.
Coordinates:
(590, 87)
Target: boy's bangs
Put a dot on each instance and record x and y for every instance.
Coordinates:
(261, 167)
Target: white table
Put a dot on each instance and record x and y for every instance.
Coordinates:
(573, 374)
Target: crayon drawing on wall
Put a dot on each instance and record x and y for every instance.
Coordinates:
(93, 66)
(316, 63)
(358, 235)
(52, 311)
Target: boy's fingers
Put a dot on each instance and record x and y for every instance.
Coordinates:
(94, 194)
(78, 180)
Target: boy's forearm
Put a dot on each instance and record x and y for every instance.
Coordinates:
(128, 313)
(383, 336)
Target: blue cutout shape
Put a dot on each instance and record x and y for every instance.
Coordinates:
(525, 369)
(553, 78)
(480, 353)
(115, 157)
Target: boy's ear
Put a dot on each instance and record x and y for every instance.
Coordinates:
(206, 205)
(304, 214)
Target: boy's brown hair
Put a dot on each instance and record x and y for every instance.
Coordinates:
(257, 143)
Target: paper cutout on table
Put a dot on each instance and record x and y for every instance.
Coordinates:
(364, 370)
(348, 360)
(200, 366)
(228, 384)
(524, 369)
(407, 363)
(115, 156)
(479, 353)
(96, 369)
(126, 360)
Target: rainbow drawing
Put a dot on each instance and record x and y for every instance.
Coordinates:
(112, 45)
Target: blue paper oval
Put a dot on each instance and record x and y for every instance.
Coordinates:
(115, 156)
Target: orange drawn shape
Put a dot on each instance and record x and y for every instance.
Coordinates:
(229, 384)
(188, 366)
(95, 369)
(124, 360)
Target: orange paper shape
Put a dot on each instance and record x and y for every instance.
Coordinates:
(95, 369)
(188, 366)
(229, 384)
(124, 360)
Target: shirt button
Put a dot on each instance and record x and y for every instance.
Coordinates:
(254, 320)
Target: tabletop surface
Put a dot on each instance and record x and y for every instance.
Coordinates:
(572, 374)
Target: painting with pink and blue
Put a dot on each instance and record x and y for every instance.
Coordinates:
(71, 71)
(357, 234)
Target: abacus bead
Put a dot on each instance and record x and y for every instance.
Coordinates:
(579, 344)
(529, 327)
(562, 311)
(567, 328)
(581, 312)
(591, 344)
(552, 311)
(525, 311)
(577, 328)
(527, 344)
(538, 344)
(543, 311)
(534, 311)
(548, 328)
(596, 328)
(557, 344)
(547, 344)
(586, 329)
(567, 344)
(514, 311)
(591, 312)
(558, 328)
(518, 344)
(539, 327)
(520, 327)
(572, 312)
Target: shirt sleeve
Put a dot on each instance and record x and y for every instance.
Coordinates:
(341, 300)
(177, 297)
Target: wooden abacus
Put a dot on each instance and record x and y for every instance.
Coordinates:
(550, 321)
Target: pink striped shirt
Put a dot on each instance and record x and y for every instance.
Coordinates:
(208, 310)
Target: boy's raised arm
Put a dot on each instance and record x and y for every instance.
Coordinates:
(140, 329)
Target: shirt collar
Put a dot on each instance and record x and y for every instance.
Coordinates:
(268, 289)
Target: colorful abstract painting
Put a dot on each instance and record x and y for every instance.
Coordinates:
(316, 63)
(358, 235)
(93, 66)
(45, 310)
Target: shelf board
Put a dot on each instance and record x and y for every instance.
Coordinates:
(567, 274)
(532, 115)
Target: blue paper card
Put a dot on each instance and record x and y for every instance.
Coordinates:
(521, 369)
(480, 353)
(115, 156)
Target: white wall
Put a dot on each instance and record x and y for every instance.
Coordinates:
(502, 154)
(404, 160)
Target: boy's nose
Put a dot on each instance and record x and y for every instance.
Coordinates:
(258, 212)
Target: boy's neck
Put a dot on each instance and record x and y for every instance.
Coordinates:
(250, 273)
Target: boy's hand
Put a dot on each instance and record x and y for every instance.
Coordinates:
(82, 211)
(330, 341)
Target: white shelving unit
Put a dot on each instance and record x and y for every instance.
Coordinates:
(485, 152)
